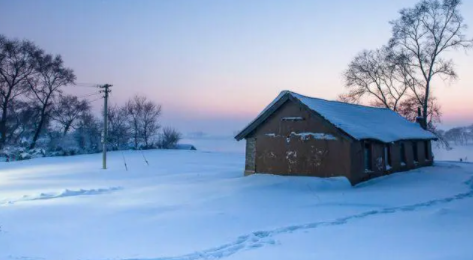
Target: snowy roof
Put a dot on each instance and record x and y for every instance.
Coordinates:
(359, 122)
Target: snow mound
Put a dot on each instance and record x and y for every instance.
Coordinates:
(62, 194)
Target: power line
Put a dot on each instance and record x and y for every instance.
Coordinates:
(83, 85)
(87, 84)
(90, 101)
(89, 95)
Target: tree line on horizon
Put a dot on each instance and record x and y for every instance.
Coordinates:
(35, 112)
(462, 135)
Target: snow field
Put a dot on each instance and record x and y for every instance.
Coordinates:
(197, 205)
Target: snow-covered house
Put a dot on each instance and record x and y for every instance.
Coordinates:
(299, 135)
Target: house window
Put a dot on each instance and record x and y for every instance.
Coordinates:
(414, 150)
(387, 156)
(403, 154)
(426, 150)
(368, 157)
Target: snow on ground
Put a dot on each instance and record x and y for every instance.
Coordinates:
(464, 152)
(61, 194)
(197, 205)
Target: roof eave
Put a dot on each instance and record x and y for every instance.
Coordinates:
(399, 140)
(259, 119)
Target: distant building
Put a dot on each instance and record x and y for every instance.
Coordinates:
(299, 135)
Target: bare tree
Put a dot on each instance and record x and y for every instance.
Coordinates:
(378, 75)
(424, 33)
(460, 135)
(408, 109)
(133, 109)
(169, 138)
(20, 120)
(456, 135)
(150, 126)
(45, 85)
(87, 133)
(143, 115)
(16, 65)
(118, 128)
(68, 110)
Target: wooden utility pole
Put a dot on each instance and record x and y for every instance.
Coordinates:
(106, 91)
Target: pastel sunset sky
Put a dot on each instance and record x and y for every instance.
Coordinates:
(214, 64)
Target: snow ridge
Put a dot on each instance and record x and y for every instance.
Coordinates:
(61, 194)
(263, 238)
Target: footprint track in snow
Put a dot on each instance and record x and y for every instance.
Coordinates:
(259, 239)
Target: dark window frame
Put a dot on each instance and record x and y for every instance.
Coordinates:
(402, 151)
(415, 151)
(426, 151)
(368, 157)
(387, 155)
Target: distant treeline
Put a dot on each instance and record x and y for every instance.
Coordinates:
(37, 117)
(458, 135)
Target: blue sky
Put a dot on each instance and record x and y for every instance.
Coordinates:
(214, 65)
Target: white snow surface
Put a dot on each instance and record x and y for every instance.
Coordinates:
(197, 205)
(360, 122)
(60, 194)
(463, 152)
